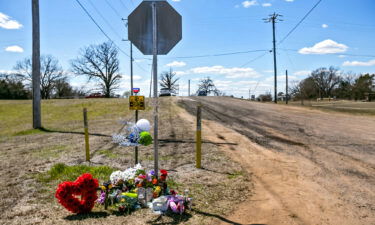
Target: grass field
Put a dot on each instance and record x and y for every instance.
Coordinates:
(64, 115)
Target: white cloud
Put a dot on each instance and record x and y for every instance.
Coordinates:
(176, 0)
(176, 64)
(135, 77)
(324, 25)
(180, 73)
(234, 72)
(324, 47)
(289, 0)
(7, 71)
(14, 48)
(359, 63)
(248, 4)
(302, 73)
(342, 56)
(266, 4)
(7, 23)
(223, 83)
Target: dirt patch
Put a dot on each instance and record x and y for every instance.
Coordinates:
(309, 167)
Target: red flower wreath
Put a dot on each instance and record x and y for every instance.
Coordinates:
(86, 186)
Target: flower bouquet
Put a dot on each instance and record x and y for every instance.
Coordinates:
(133, 188)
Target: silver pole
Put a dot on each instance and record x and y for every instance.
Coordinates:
(37, 121)
(155, 74)
(189, 89)
(131, 68)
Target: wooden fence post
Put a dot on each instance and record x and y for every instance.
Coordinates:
(198, 145)
(86, 126)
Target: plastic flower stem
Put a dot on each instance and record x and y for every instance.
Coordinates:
(106, 199)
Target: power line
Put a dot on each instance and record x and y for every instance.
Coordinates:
(100, 28)
(114, 9)
(123, 4)
(105, 34)
(105, 20)
(254, 59)
(220, 54)
(303, 18)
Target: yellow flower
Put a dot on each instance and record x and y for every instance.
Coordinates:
(123, 200)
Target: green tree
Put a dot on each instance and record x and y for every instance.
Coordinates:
(326, 80)
(12, 89)
(345, 87)
(63, 89)
(363, 84)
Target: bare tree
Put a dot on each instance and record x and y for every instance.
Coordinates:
(326, 80)
(206, 86)
(100, 63)
(169, 81)
(50, 73)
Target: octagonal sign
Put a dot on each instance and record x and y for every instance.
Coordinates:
(169, 27)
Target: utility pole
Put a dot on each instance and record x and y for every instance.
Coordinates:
(131, 70)
(37, 121)
(189, 89)
(286, 86)
(274, 18)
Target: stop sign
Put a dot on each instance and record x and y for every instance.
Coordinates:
(169, 27)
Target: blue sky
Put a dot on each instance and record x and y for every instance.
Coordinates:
(338, 33)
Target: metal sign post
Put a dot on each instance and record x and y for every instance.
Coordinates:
(136, 103)
(155, 27)
(155, 74)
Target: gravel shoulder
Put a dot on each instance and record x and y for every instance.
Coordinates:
(308, 166)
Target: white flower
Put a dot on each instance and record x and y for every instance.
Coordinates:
(115, 177)
(128, 174)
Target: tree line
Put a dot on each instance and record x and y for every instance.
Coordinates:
(99, 63)
(333, 83)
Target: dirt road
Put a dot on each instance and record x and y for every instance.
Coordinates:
(309, 166)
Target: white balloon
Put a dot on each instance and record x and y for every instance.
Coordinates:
(143, 125)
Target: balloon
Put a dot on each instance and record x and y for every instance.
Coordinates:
(145, 138)
(143, 125)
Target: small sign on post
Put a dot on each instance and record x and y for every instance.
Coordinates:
(137, 102)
